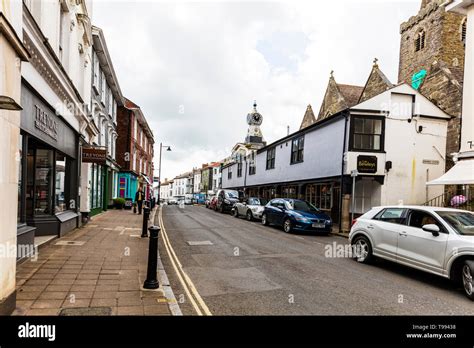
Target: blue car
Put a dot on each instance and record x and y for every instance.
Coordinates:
(296, 215)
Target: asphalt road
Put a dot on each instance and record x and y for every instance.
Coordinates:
(252, 269)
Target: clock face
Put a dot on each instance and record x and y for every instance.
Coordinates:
(257, 118)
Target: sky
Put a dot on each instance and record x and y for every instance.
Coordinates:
(195, 68)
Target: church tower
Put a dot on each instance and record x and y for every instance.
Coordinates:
(432, 61)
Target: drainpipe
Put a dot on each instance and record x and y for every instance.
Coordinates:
(346, 117)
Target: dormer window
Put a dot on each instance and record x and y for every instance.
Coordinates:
(420, 40)
(464, 31)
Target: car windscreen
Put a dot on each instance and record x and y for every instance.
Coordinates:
(257, 201)
(232, 194)
(462, 222)
(302, 206)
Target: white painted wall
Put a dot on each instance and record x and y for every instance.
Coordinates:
(10, 85)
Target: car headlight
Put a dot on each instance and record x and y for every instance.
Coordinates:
(328, 222)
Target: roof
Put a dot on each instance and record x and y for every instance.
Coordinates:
(351, 93)
(308, 118)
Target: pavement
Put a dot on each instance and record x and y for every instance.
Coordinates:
(244, 268)
(98, 269)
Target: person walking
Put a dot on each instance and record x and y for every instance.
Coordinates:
(139, 197)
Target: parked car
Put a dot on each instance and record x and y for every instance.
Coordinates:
(296, 215)
(188, 201)
(172, 201)
(252, 208)
(226, 200)
(431, 239)
(213, 203)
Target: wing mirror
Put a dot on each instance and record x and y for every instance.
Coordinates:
(434, 229)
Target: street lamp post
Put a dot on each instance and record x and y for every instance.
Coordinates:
(168, 148)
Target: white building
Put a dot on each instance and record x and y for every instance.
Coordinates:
(197, 180)
(99, 177)
(13, 54)
(395, 140)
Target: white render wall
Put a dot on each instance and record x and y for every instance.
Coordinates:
(10, 85)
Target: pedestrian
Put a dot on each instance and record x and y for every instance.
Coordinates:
(139, 196)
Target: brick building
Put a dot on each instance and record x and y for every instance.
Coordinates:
(134, 150)
(432, 50)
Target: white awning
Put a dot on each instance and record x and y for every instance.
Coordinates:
(461, 174)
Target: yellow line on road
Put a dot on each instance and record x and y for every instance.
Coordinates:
(185, 280)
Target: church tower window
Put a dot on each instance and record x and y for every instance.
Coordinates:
(420, 40)
(464, 31)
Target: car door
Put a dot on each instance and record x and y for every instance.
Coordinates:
(272, 210)
(241, 207)
(280, 212)
(384, 229)
(419, 248)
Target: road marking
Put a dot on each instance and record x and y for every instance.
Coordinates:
(203, 242)
(185, 280)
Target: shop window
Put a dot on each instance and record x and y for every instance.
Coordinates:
(20, 179)
(43, 182)
(297, 150)
(367, 134)
(289, 192)
(60, 199)
(319, 195)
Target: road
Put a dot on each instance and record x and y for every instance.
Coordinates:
(250, 269)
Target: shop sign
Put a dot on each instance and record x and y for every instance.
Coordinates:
(367, 164)
(46, 123)
(94, 155)
(433, 162)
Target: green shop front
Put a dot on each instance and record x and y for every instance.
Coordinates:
(47, 171)
(102, 174)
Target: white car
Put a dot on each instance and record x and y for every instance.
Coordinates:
(251, 208)
(431, 239)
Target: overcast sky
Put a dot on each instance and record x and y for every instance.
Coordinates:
(196, 67)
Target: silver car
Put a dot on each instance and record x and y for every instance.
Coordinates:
(252, 208)
(431, 239)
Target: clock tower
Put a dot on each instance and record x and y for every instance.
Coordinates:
(254, 133)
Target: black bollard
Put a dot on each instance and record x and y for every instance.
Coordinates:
(151, 281)
(146, 215)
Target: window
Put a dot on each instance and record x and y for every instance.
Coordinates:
(239, 169)
(462, 222)
(95, 72)
(271, 158)
(420, 40)
(464, 31)
(367, 134)
(320, 195)
(229, 174)
(393, 215)
(289, 192)
(60, 199)
(252, 164)
(420, 218)
(297, 148)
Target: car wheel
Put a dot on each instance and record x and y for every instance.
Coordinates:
(264, 220)
(287, 226)
(249, 216)
(235, 212)
(362, 249)
(467, 282)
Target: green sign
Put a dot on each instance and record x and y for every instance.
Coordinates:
(418, 78)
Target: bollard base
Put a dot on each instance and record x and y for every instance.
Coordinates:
(151, 284)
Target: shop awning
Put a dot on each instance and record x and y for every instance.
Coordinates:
(461, 174)
(146, 179)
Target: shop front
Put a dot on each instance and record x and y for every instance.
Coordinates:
(48, 171)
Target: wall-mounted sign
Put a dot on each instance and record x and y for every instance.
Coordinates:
(46, 123)
(94, 155)
(367, 164)
(426, 161)
(418, 78)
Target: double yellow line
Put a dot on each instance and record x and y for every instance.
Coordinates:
(189, 288)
